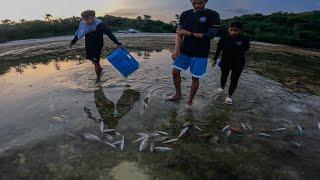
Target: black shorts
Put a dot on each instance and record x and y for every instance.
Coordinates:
(94, 55)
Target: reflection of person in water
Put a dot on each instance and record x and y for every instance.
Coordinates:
(110, 112)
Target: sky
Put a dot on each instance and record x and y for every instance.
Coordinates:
(158, 9)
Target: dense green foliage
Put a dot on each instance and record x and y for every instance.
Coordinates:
(301, 29)
(298, 29)
(37, 29)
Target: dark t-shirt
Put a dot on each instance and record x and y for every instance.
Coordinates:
(197, 22)
(233, 49)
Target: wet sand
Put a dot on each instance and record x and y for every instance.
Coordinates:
(47, 92)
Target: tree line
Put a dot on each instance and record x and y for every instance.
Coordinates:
(297, 29)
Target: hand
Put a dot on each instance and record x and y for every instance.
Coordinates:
(175, 55)
(214, 62)
(183, 32)
(70, 45)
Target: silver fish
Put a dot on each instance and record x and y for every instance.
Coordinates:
(244, 126)
(117, 133)
(197, 127)
(160, 138)
(65, 117)
(295, 143)
(161, 149)
(139, 139)
(170, 141)
(228, 133)
(264, 134)
(300, 130)
(117, 142)
(249, 127)
(144, 143)
(122, 144)
(101, 126)
(319, 124)
(161, 132)
(154, 134)
(109, 130)
(109, 137)
(110, 144)
(183, 131)
(142, 134)
(152, 146)
(280, 129)
(91, 137)
(225, 128)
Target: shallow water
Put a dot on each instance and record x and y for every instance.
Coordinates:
(48, 104)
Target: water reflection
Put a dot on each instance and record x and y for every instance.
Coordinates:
(111, 112)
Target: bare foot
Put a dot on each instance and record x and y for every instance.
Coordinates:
(173, 98)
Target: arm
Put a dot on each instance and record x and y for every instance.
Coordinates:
(179, 37)
(177, 47)
(107, 32)
(76, 38)
(218, 51)
(214, 23)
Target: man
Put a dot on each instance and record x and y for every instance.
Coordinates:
(196, 28)
(93, 29)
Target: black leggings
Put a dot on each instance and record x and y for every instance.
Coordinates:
(235, 75)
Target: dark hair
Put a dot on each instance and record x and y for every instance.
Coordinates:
(236, 24)
(88, 13)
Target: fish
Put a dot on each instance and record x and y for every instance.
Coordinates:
(110, 144)
(162, 132)
(228, 133)
(109, 137)
(263, 134)
(183, 131)
(139, 139)
(249, 127)
(170, 141)
(142, 134)
(109, 130)
(295, 143)
(161, 149)
(144, 143)
(117, 142)
(225, 128)
(91, 137)
(65, 117)
(122, 144)
(160, 138)
(117, 133)
(57, 118)
(300, 130)
(280, 129)
(197, 127)
(319, 124)
(152, 146)
(244, 126)
(101, 126)
(154, 134)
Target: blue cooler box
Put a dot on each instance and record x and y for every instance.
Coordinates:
(123, 62)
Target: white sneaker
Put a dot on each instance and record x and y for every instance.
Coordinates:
(220, 90)
(228, 101)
